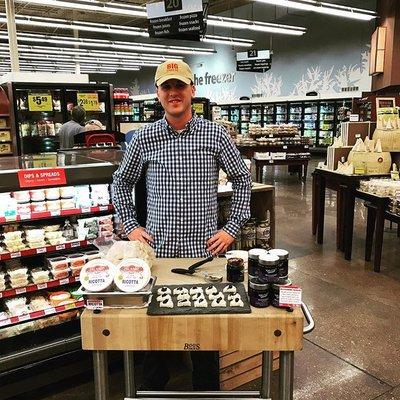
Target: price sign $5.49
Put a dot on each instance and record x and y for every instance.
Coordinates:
(40, 102)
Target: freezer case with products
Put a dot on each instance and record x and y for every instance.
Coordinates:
(38, 111)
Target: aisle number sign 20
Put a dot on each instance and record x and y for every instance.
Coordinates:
(89, 101)
(40, 102)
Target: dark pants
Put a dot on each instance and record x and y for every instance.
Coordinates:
(205, 370)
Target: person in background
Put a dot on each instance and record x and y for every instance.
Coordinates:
(72, 127)
(93, 125)
(182, 155)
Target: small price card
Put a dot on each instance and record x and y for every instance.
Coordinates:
(290, 296)
(89, 101)
(94, 304)
(40, 102)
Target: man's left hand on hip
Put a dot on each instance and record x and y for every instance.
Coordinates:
(219, 243)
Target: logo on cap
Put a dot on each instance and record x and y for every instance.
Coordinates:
(172, 67)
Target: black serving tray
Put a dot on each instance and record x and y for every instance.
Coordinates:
(155, 309)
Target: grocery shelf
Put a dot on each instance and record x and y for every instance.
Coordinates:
(41, 313)
(43, 250)
(60, 213)
(39, 286)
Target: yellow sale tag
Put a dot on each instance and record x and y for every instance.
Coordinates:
(198, 108)
(89, 101)
(40, 102)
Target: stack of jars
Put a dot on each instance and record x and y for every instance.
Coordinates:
(268, 272)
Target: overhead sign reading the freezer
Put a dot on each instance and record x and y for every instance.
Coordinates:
(254, 61)
(89, 101)
(176, 19)
(40, 102)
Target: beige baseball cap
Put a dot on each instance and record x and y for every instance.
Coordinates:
(173, 69)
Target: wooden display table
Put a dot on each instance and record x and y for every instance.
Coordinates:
(265, 330)
(261, 163)
(346, 187)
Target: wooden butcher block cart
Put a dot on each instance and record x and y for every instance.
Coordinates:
(264, 329)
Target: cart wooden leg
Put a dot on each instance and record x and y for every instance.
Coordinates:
(349, 222)
(267, 360)
(129, 372)
(286, 369)
(100, 367)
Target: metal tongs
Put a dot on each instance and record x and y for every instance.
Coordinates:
(192, 269)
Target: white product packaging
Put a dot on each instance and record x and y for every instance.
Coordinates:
(97, 275)
(132, 275)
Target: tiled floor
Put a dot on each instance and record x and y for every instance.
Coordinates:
(354, 351)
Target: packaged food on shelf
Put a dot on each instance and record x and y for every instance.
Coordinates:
(67, 192)
(9, 331)
(39, 275)
(23, 196)
(52, 193)
(60, 273)
(58, 297)
(23, 208)
(53, 205)
(8, 205)
(17, 306)
(25, 327)
(37, 195)
(76, 262)
(38, 303)
(88, 228)
(38, 206)
(16, 271)
(67, 204)
(57, 263)
(3, 315)
(68, 230)
(82, 196)
(68, 316)
(14, 235)
(51, 228)
(16, 283)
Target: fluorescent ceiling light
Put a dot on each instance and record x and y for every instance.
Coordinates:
(57, 23)
(93, 5)
(236, 23)
(226, 40)
(324, 8)
(70, 58)
(44, 52)
(99, 43)
(87, 52)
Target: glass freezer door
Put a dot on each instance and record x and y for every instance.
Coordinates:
(38, 119)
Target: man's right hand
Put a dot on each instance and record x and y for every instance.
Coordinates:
(141, 235)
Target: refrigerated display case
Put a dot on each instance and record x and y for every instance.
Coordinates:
(39, 109)
(43, 341)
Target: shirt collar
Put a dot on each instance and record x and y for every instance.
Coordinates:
(188, 127)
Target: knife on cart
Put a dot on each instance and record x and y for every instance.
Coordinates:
(192, 271)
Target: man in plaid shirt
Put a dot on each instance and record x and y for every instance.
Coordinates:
(183, 155)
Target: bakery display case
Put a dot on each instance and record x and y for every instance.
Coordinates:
(38, 110)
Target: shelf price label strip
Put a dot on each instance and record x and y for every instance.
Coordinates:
(40, 286)
(41, 313)
(61, 213)
(49, 249)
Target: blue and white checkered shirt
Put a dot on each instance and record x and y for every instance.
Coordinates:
(182, 185)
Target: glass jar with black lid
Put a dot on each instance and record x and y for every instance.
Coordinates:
(259, 293)
(283, 262)
(253, 260)
(235, 270)
(275, 288)
(268, 268)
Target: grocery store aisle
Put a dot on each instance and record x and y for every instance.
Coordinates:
(353, 354)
